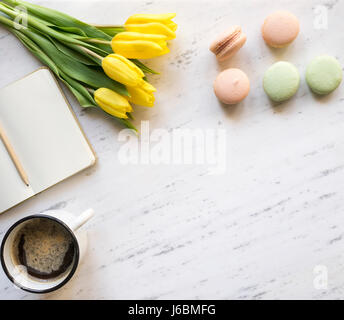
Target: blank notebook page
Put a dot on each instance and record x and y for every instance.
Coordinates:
(44, 134)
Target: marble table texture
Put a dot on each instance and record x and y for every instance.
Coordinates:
(262, 229)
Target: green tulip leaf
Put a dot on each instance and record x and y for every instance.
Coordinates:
(46, 30)
(78, 56)
(127, 123)
(80, 92)
(143, 67)
(111, 30)
(59, 19)
(71, 30)
(95, 78)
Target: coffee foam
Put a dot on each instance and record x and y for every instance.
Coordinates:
(46, 243)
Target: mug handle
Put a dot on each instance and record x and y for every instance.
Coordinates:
(82, 219)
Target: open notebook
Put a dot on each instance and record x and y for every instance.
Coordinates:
(45, 135)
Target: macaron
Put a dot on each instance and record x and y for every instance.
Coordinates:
(281, 81)
(324, 74)
(228, 43)
(231, 86)
(280, 29)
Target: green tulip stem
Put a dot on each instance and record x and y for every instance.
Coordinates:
(91, 91)
(91, 53)
(99, 41)
(34, 23)
(10, 23)
(107, 26)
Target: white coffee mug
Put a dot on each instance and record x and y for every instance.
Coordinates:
(19, 275)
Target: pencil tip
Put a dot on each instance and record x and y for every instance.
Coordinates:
(27, 184)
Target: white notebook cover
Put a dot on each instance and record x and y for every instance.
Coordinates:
(45, 135)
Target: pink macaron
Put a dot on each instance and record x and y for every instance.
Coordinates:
(280, 29)
(228, 43)
(231, 86)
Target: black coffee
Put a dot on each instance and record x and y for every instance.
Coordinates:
(44, 247)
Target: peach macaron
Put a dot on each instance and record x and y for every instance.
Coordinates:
(231, 86)
(280, 29)
(228, 43)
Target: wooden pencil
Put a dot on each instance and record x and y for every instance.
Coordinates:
(13, 156)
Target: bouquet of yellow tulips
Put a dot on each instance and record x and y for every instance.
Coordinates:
(97, 63)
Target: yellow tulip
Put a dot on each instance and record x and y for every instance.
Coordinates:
(164, 18)
(143, 18)
(135, 45)
(152, 28)
(112, 102)
(122, 70)
(152, 24)
(147, 87)
(143, 95)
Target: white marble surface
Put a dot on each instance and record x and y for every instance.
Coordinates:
(171, 231)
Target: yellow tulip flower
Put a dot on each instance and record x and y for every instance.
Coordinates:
(152, 28)
(152, 24)
(136, 45)
(143, 95)
(122, 70)
(143, 18)
(164, 18)
(112, 103)
(147, 87)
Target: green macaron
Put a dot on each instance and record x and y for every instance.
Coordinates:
(324, 74)
(281, 81)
